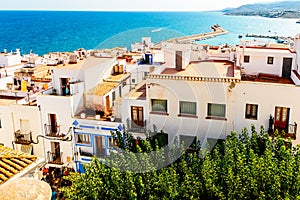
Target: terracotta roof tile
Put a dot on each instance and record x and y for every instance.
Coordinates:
(12, 162)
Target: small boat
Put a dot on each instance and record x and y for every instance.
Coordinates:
(298, 22)
(240, 36)
(280, 41)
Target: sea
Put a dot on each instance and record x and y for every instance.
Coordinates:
(52, 31)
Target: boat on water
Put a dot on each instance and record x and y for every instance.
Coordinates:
(298, 22)
(240, 36)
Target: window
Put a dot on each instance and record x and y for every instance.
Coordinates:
(189, 108)
(159, 105)
(27, 149)
(145, 75)
(83, 138)
(120, 91)
(251, 111)
(246, 59)
(216, 110)
(86, 151)
(270, 60)
(113, 95)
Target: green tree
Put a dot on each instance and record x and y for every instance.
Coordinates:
(244, 166)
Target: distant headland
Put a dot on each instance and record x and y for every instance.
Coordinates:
(282, 9)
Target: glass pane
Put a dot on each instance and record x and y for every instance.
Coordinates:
(217, 110)
(159, 105)
(187, 107)
(140, 114)
(277, 113)
(134, 114)
(83, 138)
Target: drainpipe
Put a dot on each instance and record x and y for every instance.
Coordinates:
(41, 120)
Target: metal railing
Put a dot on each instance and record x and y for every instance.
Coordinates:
(23, 138)
(52, 131)
(292, 130)
(132, 126)
(54, 158)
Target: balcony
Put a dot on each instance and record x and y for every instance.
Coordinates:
(52, 131)
(136, 127)
(289, 132)
(23, 138)
(54, 158)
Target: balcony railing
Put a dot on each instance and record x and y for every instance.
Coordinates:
(132, 126)
(52, 131)
(23, 138)
(290, 132)
(54, 158)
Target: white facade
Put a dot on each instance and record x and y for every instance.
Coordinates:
(203, 85)
(10, 59)
(258, 60)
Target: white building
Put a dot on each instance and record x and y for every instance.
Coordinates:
(10, 59)
(209, 98)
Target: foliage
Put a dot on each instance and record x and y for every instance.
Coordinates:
(245, 166)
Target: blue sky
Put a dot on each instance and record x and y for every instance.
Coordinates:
(131, 5)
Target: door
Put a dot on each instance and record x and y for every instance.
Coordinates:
(53, 123)
(286, 68)
(99, 146)
(137, 116)
(178, 60)
(107, 105)
(65, 87)
(281, 118)
(55, 152)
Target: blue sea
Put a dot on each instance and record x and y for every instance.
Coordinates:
(51, 31)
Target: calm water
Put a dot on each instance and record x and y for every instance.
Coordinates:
(46, 31)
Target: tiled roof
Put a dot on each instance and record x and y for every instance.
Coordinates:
(12, 162)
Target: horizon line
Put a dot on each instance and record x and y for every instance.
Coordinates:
(80, 10)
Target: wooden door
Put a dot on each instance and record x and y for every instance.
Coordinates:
(107, 104)
(99, 146)
(53, 123)
(281, 118)
(55, 149)
(137, 115)
(286, 68)
(178, 60)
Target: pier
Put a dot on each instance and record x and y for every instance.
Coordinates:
(262, 36)
(217, 30)
(279, 39)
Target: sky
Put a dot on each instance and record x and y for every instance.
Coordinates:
(125, 5)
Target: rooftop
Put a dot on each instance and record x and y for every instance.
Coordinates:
(210, 69)
(269, 78)
(139, 92)
(13, 162)
(108, 84)
(85, 63)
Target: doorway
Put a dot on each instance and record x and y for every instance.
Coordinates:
(286, 67)
(281, 120)
(53, 124)
(137, 116)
